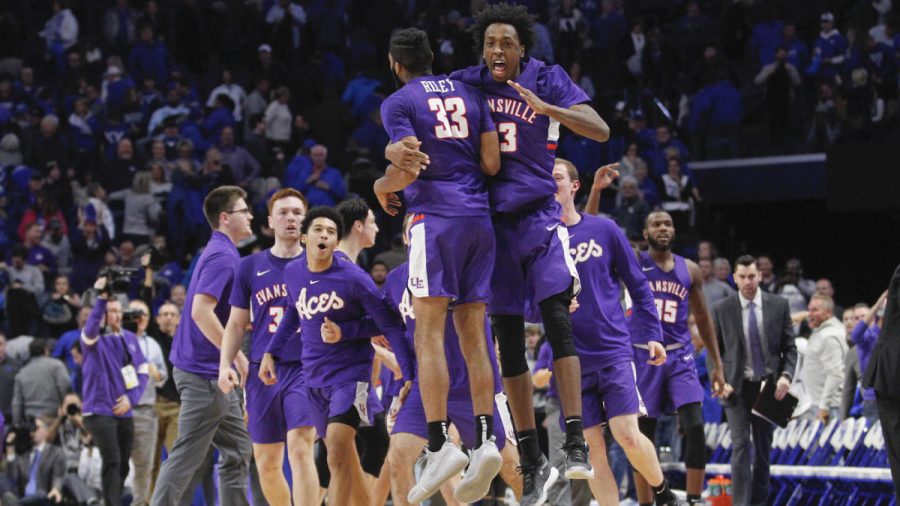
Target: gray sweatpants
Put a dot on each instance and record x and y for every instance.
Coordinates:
(208, 417)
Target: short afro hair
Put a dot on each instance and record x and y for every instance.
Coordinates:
(515, 15)
(323, 212)
(410, 47)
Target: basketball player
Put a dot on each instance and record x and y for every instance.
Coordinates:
(451, 250)
(529, 100)
(411, 430)
(675, 387)
(360, 232)
(209, 417)
(604, 259)
(275, 413)
(337, 369)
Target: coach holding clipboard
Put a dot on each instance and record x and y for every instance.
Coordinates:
(883, 374)
(757, 343)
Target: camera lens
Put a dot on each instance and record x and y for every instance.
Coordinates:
(73, 409)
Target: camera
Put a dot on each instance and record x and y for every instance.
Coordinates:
(118, 279)
(157, 259)
(23, 443)
(130, 319)
(72, 409)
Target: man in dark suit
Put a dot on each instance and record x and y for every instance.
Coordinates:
(883, 374)
(36, 475)
(756, 341)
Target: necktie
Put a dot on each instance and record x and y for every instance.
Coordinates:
(756, 351)
(31, 487)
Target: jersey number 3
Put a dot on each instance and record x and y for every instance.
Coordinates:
(454, 127)
(508, 141)
(276, 312)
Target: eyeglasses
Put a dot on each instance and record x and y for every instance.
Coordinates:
(245, 210)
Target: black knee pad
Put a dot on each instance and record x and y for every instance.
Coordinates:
(349, 417)
(373, 443)
(321, 457)
(647, 426)
(558, 324)
(509, 331)
(690, 418)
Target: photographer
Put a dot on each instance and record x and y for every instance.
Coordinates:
(115, 376)
(35, 467)
(68, 428)
(68, 432)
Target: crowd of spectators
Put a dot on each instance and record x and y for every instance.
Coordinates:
(116, 118)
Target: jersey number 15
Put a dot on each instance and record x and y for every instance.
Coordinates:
(667, 310)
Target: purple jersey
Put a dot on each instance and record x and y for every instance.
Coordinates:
(213, 276)
(344, 293)
(527, 139)
(260, 287)
(399, 297)
(671, 293)
(604, 259)
(448, 117)
(545, 361)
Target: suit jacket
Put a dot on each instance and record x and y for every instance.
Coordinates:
(883, 371)
(51, 470)
(777, 335)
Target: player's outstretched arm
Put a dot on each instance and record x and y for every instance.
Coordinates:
(707, 330)
(629, 270)
(389, 323)
(580, 118)
(603, 178)
(394, 180)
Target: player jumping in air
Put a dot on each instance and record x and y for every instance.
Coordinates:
(528, 101)
(451, 250)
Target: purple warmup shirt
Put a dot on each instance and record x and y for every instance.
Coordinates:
(604, 259)
(213, 276)
(103, 363)
(401, 302)
(527, 139)
(545, 361)
(344, 293)
(671, 292)
(260, 287)
(865, 337)
(448, 117)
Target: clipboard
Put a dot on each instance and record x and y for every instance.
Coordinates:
(775, 411)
